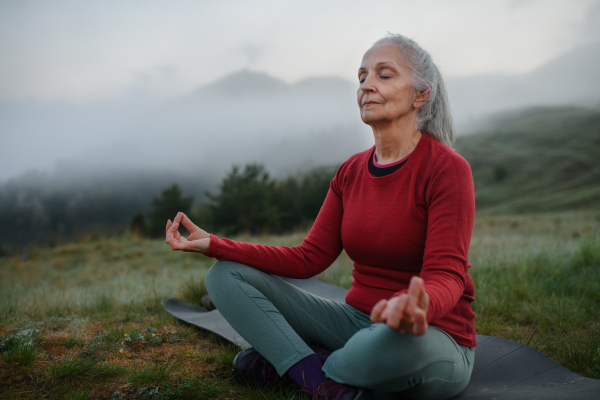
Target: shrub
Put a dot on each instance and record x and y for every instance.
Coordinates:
(500, 172)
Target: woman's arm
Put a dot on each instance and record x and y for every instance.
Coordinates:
(450, 197)
(451, 211)
(317, 252)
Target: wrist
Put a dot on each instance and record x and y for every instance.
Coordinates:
(210, 241)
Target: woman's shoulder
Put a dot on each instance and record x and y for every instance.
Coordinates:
(350, 170)
(355, 162)
(441, 156)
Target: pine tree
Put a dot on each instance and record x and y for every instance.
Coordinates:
(166, 207)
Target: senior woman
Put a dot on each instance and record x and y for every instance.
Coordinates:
(403, 211)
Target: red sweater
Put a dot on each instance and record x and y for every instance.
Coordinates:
(415, 221)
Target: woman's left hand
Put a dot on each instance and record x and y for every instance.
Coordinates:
(407, 312)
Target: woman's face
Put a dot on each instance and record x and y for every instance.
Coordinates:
(385, 93)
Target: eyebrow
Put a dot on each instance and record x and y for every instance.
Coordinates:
(378, 64)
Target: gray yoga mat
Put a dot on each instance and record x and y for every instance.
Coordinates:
(503, 369)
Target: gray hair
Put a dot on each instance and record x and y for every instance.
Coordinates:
(434, 116)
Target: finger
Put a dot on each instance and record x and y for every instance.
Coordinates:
(178, 218)
(377, 310)
(178, 244)
(189, 225)
(389, 307)
(174, 229)
(420, 325)
(424, 300)
(169, 223)
(395, 311)
(414, 294)
(176, 237)
(415, 287)
(172, 242)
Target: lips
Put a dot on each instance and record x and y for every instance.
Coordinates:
(369, 103)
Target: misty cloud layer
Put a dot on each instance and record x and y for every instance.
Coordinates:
(250, 116)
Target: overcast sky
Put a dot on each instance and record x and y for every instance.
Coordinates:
(86, 50)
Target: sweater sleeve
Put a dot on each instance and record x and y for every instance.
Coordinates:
(450, 197)
(317, 252)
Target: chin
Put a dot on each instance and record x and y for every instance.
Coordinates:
(370, 117)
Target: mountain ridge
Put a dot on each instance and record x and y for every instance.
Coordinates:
(570, 78)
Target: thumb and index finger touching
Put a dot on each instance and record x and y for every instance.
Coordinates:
(415, 303)
(183, 219)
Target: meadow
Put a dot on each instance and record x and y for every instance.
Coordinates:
(83, 320)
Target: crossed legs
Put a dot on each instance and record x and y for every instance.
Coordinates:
(281, 321)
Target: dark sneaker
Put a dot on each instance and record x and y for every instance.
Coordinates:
(331, 390)
(250, 368)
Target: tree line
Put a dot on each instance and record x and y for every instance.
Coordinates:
(248, 199)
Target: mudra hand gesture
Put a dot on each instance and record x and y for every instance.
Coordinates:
(407, 312)
(198, 240)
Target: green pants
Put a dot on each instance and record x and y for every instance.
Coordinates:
(281, 321)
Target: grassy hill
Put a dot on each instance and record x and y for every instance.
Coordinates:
(539, 159)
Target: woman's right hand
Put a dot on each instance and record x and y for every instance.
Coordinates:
(407, 312)
(198, 240)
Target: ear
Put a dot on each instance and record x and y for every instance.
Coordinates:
(422, 96)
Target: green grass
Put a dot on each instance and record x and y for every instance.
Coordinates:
(549, 300)
(106, 371)
(76, 368)
(20, 349)
(193, 291)
(150, 375)
(188, 390)
(225, 357)
(537, 281)
(79, 395)
(113, 276)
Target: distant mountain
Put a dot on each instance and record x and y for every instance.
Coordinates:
(253, 85)
(572, 78)
(331, 85)
(242, 85)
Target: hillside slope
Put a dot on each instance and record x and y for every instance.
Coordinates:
(539, 159)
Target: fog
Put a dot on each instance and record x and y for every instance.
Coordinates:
(250, 116)
(188, 89)
(286, 127)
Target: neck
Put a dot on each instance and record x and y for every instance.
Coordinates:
(395, 140)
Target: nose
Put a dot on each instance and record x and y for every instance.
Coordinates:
(367, 85)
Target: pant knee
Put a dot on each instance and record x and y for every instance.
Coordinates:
(384, 359)
(219, 274)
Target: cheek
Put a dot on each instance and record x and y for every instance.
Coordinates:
(401, 99)
(406, 93)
